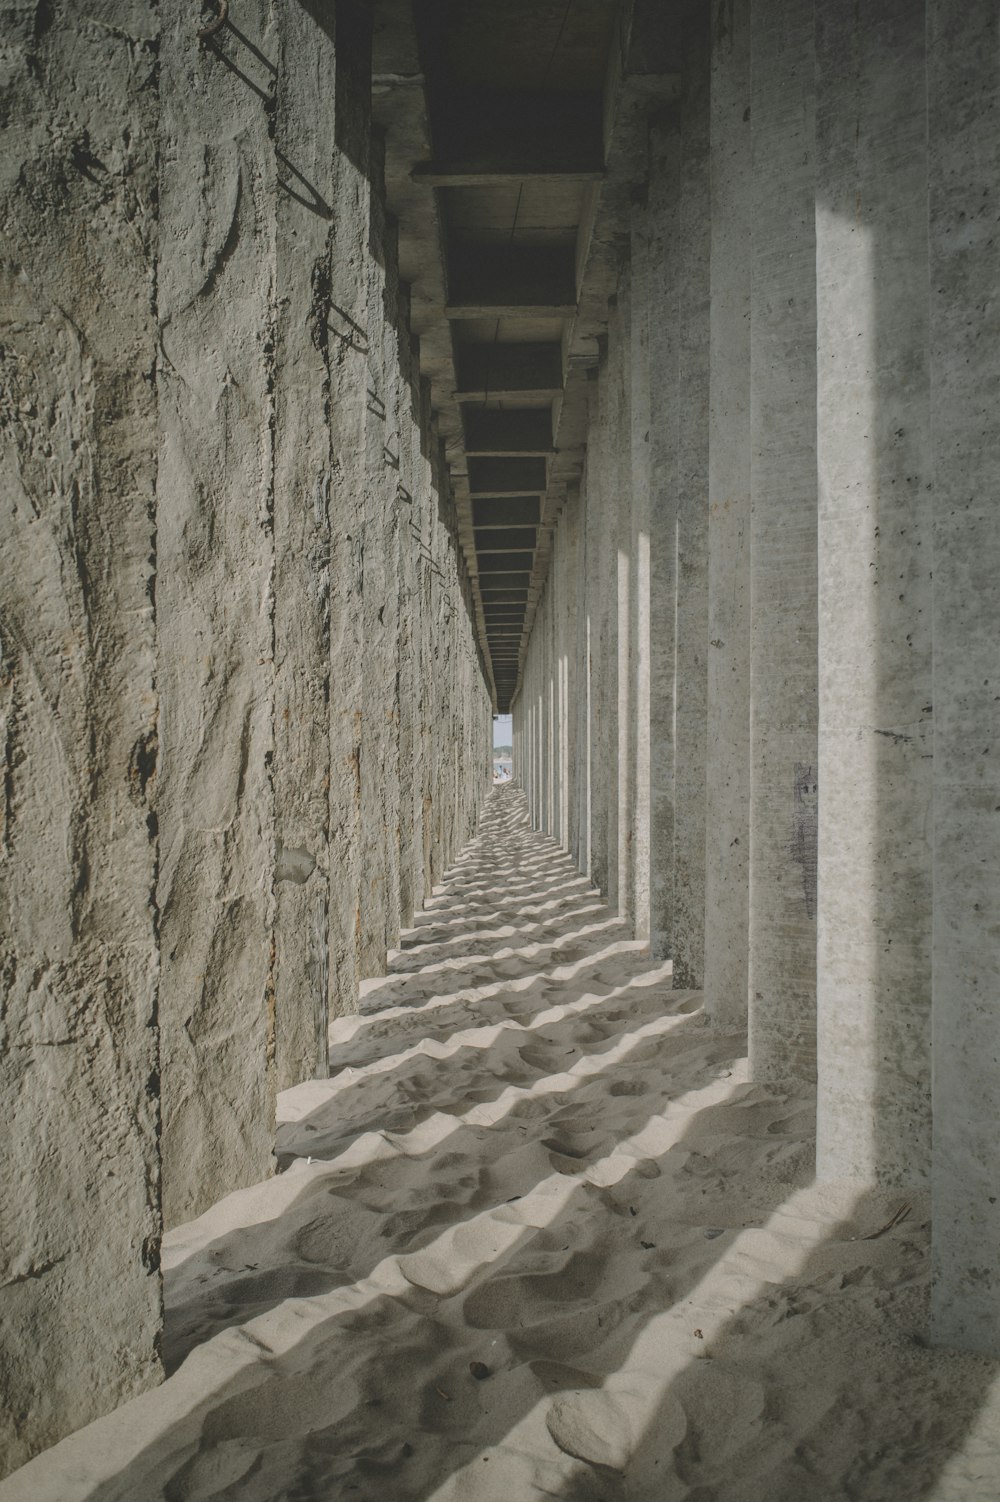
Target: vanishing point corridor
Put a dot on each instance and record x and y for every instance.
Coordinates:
(537, 1237)
(386, 385)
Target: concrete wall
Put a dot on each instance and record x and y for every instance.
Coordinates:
(785, 631)
(245, 725)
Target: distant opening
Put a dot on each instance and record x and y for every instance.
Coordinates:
(503, 749)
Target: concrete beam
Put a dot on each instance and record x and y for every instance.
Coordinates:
(499, 172)
(504, 579)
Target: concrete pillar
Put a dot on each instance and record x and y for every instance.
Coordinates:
(783, 773)
(875, 563)
(690, 645)
(304, 348)
(679, 227)
(573, 572)
(621, 473)
(727, 766)
(963, 59)
(640, 604)
(600, 559)
(349, 298)
(79, 1061)
(611, 585)
(664, 366)
(587, 642)
(215, 600)
(376, 510)
(408, 607)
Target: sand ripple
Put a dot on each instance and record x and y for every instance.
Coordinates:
(538, 1237)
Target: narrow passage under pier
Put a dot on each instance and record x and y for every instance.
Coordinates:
(537, 1237)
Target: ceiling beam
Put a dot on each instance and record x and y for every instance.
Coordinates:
(505, 578)
(498, 172)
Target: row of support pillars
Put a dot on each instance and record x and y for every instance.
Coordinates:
(244, 726)
(759, 697)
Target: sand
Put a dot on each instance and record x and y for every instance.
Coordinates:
(538, 1237)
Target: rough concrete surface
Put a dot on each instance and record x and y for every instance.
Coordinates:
(963, 49)
(727, 767)
(257, 598)
(79, 954)
(783, 670)
(875, 550)
(228, 557)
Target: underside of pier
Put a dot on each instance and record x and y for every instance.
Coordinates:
(369, 368)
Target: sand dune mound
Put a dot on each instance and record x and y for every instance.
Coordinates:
(538, 1237)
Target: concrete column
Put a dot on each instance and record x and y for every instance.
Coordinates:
(408, 605)
(376, 503)
(573, 572)
(875, 558)
(727, 766)
(664, 366)
(599, 561)
(963, 58)
(691, 640)
(79, 731)
(349, 295)
(304, 348)
(679, 232)
(783, 774)
(610, 589)
(588, 640)
(621, 471)
(639, 569)
(396, 333)
(215, 598)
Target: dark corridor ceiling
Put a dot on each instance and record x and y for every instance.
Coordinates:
(496, 115)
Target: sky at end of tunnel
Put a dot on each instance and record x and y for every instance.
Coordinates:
(502, 730)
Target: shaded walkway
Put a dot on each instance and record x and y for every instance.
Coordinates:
(537, 1237)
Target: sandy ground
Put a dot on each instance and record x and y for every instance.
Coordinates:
(537, 1237)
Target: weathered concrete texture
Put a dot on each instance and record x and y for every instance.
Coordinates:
(616, 502)
(637, 630)
(783, 777)
(727, 766)
(963, 55)
(307, 184)
(79, 1068)
(638, 484)
(690, 382)
(875, 564)
(664, 365)
(215, 561)
(246, 725)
